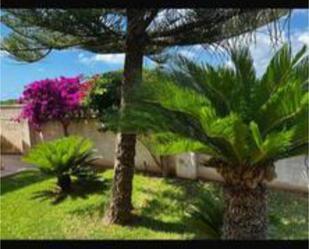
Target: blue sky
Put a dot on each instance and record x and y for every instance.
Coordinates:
(15, 75)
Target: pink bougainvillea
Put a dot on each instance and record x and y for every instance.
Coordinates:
(52, 99)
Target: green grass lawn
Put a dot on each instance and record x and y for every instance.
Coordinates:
(29, 210)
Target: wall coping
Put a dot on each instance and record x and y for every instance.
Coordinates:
(11, 106)
(84, 114)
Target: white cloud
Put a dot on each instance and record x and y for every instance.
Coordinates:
(192, 52)
(304, 38)
(165, 15)
(187, 53)
(105, 58)
(300, 12)
(229, 64)
(3, 54)
(110, 58)
(263, 50)
(83, 59)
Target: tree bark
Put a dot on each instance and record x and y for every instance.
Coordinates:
(245, 215)
(119, 211)
(65, 126)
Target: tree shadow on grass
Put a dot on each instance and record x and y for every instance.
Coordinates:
(286, 223)
(90, 210)
(149, 215)
(149, 218)
(283, 230)
(78, 190)
(187, 192)
(192, 189)
(20, 180)
(158, 225)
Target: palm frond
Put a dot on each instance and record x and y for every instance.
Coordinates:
(61, 155)
(227, 113)
(173, 144)
(274, 144)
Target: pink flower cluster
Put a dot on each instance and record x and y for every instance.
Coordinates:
(52, 99)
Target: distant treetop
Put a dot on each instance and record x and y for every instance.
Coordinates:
(9, 102)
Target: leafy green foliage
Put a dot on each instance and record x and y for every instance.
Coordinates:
(105, 92)
(64, 157)
(207, 215)
(160, 204)
(35, 33)
(228, 113)
(104, 95)
(9, 102)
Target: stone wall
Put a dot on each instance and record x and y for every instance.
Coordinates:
(17, 138)
(104, 142)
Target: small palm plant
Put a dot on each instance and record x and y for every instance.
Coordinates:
(244, 122)
(63, 158)
(206, 214)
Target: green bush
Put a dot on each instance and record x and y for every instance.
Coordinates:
(63, 158)
(105, 93)
(206, 214)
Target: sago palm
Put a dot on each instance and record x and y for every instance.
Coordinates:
(244, 122)
(206, 214)
(63, 158)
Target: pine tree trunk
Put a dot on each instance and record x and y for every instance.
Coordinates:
(121, 203)
(245, 215)
(119, 211)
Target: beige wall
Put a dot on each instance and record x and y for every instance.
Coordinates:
(18, 137)
(104, 142)
(15, 136)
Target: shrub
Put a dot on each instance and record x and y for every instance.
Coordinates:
(53, 99)
(245, 121)
(206, 214)
(63, 158)
(104, 94)
(103, 98)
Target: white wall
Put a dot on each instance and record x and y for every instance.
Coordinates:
(291, 172)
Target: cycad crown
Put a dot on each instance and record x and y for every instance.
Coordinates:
(61, 156)
(229, 113)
